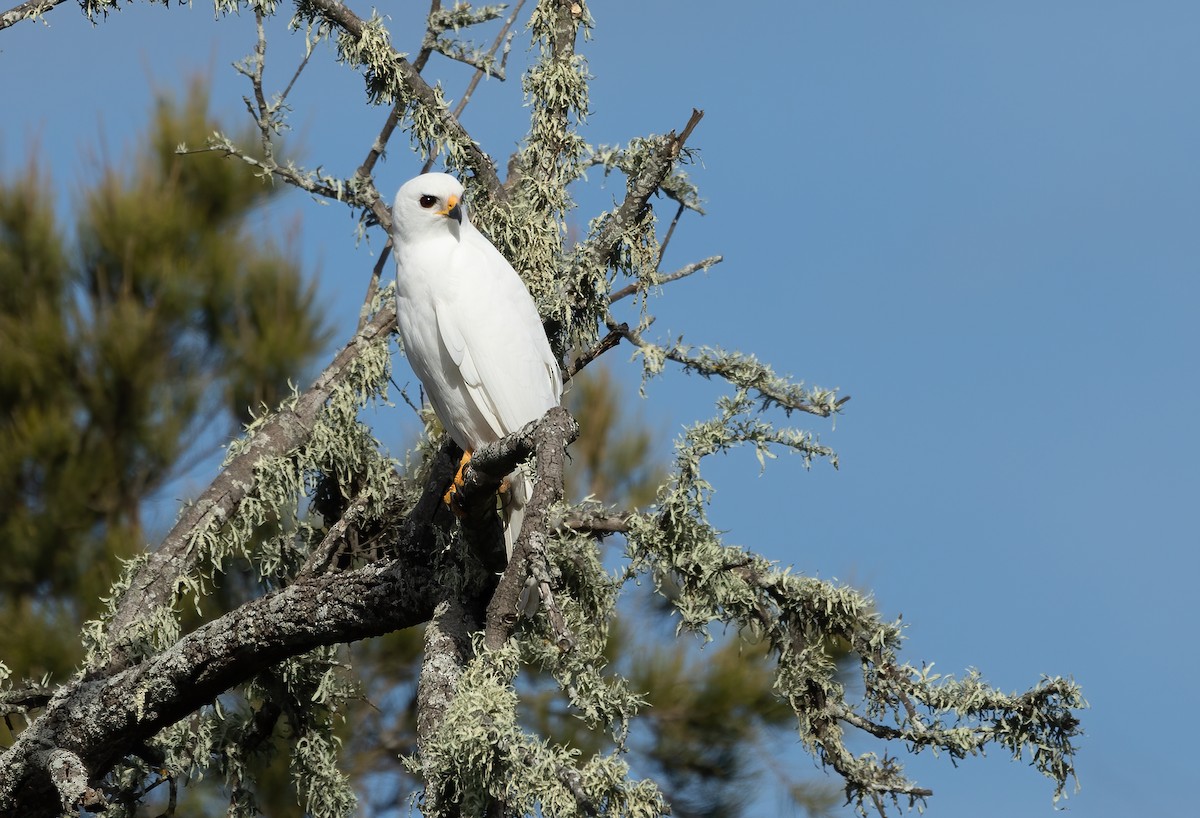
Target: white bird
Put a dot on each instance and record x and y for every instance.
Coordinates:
(470, 328)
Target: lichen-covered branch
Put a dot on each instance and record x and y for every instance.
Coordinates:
(101, 717)
(153, 585)
(458, 17)
(391, 79)
(503, 39)
(659, 280)
(549, 444)
(616, 239)
(595, 523)
(20, 700)
(355, 191)
(743, 371)
(798, 616)
(31, 10)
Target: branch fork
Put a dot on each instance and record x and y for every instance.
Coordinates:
(546, 439)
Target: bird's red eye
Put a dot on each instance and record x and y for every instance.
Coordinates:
(428, 201)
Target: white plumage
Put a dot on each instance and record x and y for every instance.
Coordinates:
(469, 326)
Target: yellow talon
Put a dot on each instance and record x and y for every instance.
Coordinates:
(456, 484)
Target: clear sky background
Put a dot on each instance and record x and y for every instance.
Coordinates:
(980, 220)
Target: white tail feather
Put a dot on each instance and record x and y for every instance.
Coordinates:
(520, 489)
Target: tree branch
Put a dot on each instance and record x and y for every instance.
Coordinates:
(447, 650)
(380, 144)
(100, 718)
(599, 248)
(430, 38)
(682, 272)
(604, 345)
(23, 699)
(596, 524)
(373, 285)
(742, 371)
(356, 191)
(152, 586)
(479, 72)
(30, 10)
(548, 439)
(404, 82)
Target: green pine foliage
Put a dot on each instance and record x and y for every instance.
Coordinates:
(132, 339)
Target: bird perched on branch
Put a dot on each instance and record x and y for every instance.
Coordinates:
(470, 329)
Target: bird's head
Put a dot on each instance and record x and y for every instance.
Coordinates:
(429, 205)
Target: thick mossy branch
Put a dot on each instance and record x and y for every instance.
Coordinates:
(105, 716)
(259, 525)
(307, 692)
(553, 433)
(138, 609)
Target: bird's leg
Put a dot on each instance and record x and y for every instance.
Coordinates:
(456, 484)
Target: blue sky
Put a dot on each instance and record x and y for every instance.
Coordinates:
(982, 221)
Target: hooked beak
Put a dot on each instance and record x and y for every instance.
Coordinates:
(453, 209)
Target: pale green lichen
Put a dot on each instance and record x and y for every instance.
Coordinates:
(269, 536)
(481, 754)
(712, 582)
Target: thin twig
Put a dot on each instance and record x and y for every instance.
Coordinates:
(682, 272)
(479, 72)
(412, 86)
(692, 122)
(367, 196)
(480, 62)
(256, 80)
(604, 345)
(403, 390)
(320, 557)
(597, 525)
(373, 287)
(662, 248)
(892, 674)
(564, 640)
(430, 38)
(380, 144)
(478, 75)
(303, 64)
